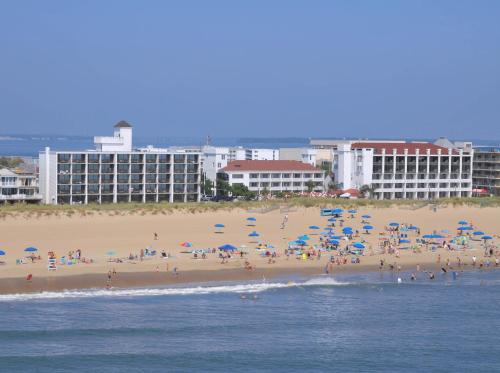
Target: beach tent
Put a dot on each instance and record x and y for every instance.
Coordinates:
(31, 249)
(228, 247)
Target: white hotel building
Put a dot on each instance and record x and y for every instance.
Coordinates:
(398, 169)
(115, 172)
(273, 176)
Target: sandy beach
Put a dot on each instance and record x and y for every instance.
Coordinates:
(125, 235)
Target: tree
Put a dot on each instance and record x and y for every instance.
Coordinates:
(10, 162)
(310, 185)
(223, 187)
(265, 192)
(207, 187)
(241, 190)
(367, 190)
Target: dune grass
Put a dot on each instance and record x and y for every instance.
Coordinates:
(29, 210)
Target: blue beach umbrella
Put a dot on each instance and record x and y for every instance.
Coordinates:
(347, 230)
(487, 238)
(253, 234)
(337, 211)
(478, 233)
(2, 252)
(464, 229)
(366, 216)
(462, 222)
(358, 245)
(31, 249)
(304, 237)
(334, 242)
(412, 227)
(352, 211)
(297, 243)
(404, 241)
(329, 229)
(335, 237)
(228, 247)
(393, 224)
(313, 227)
(332, 220)
(251, 219)
(368, 227)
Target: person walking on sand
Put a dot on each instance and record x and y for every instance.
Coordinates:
(156, 236)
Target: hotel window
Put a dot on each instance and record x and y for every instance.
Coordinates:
(179, 178)
(179, 168)
(78, 158)
(191, 188)
(286, 183)
(151, 168)
(443, 185)
(63, 189)
(178, 188)
(106, 158)
(106, 178)
(264, 176)
(63, 158)
(179, 158)
(164, 158)
(237, 176)
(287, 176)
(297, 176)
(136, 178)
(150, 188)
(254, 185)
(264, 185)
(93, 179)
(106, 169)
(163, 188)
(192, 168)
(318, 176)
(163, 168)
(254, 176)
(150, 158)
(123, 188)
(297, 183)
(192, 158)
(107, 188)
(93, 168)
(78, 189)
(192, 178)
(136, 158)
(276, 176)
(123, 158)
(62, 179)
(275, 184)
(123, 168)
(93, 189)
(163, 178)
(123, 178)
(398, 185)
(63, 168)
(421, 185)
(136, 168)
(307, 176)
(93, 158)
(78, 168)
(150, 178)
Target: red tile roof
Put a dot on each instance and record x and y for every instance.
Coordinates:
(269, 166)
(400, 147)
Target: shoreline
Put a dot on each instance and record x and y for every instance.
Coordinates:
(130, 280)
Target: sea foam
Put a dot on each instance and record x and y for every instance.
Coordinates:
(151, 292)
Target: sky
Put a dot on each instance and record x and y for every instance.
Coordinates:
(260, 68)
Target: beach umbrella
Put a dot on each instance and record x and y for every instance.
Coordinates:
(404, 241)
(462, 222)
(393, 224)
(358, 245)
(334, 242)
(313, 227)
(186, 244)
(31, 249)
(368, 227)
(253, 234)
(347, 230)
(366, 216)
(332, 220)
(228, 247)
(335, 237)
(412, 227)
(219, 225)
(487, 238)
(329, 229)
(2, 252)
(297, 243)
(251, 219)
(337, 211)
(478, 233)
(464, 229)
(111, 253)
(304, 237)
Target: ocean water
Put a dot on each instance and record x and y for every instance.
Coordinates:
(349, 323)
